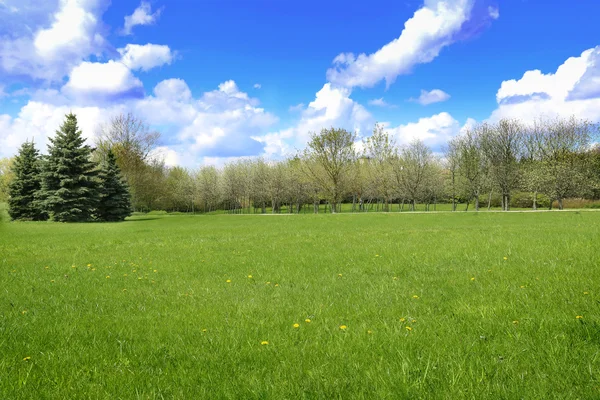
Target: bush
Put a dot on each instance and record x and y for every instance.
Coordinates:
(525, 200)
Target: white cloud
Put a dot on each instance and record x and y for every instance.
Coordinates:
(434, 26)
(493, 12)
(48, 49)
(102, 81)
(574, 89)
(433, 131)
(145, 57)
(380, 103)
(433, 96)
(141, 16)
(297, 107)
(257, 86)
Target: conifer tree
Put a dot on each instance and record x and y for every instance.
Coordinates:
(115, 200)
(69, 185)
(22, 203)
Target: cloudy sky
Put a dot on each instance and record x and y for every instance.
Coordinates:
(237, 78)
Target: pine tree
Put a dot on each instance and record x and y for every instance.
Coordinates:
(22, 203)
(115, 200)
(69, 187)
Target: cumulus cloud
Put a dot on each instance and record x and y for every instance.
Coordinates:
(434, 26)
(141, 16)
(574, 89)
(434, 131)
(102, 81)
(145, 57)
(430, 97)
(380, 103)
(50, 48)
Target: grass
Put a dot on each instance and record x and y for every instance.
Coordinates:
(143, 309)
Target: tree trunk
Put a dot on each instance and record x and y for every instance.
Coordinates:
(490, 200)
(560, 203)
(414, 204)
(477, 200)
(263, 209)
(535, 200)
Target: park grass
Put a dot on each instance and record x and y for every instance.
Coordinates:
(446, 305)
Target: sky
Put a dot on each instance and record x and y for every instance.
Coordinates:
(223, 79)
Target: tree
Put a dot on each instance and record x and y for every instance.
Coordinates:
(115, 201)
(470, 161)
(23, 203)
(412, 167)
(132, 141)
(379, 151)
(69, 187)
(330, 156)
(6, 177)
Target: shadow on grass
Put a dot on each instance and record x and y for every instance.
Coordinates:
(141, 219)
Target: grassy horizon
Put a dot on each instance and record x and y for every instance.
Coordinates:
(447, 305)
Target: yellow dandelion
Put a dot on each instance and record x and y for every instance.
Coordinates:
(369, 332)
(402, 319)
(27, 358)
(203, 330)
(268, 283)
(413, 321)
(277, 284)
(586, 293)
(408, 328)
(343, 327)
(24, 312)
(395, 278)
(107, 276)
(124, 274)
(135, 270)
(124, 290)
(73, 266)
(415, 296)
(155, 271)
(264, 343)
(376, 255)
(52, 280)
(489, 270)
(249, 276)
(505, 258)
(516, 322)
(340, 275)
(46, 267)
(522, 286)
(93, 269)
(579, 317)
(296, 326)
(89, 265)
(228, 281)
(473, 278)
(139, 278)
(307, 320)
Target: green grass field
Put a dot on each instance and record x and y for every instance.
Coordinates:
(447, 305)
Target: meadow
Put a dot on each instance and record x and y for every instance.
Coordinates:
(439, 305)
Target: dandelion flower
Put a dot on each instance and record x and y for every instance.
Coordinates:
(415, 296)
(402, 319)
(268, 283)
(155, 271)
(516, 322)
(505, 258)
(46, 267)
(343, 327)
(408, 328)
(249, 276)
(107, 276)
(89, 265)
(203, 330)
(413, 321)
(264, 343)
(376, 255)
(124, 274)
(579, 317)
(395, 278)
(473, 278)
(52, 280)
(93, 269)
(340, 275)
(586, 293)
(277, 284)
(369, 332)
(27, 358)
(296, 325)
(228, 281)
(124, 290)
(307, 320)
(25, 312)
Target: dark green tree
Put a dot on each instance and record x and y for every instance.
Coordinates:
(69, 186)
(115, 200)
(22, 202)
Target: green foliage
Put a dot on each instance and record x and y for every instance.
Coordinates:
(115, 203)
(69, 186)
(153, 316)
(6, 177)
(22, 201)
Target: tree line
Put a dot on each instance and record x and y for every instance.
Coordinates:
(487, 165)
(67, 185)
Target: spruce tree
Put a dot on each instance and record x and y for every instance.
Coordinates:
(115, 200)
(22, 203)
(69, 187)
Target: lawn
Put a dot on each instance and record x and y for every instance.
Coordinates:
(440, 305)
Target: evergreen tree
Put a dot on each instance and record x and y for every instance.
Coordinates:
(69, 187)
(115, 200)
(22, 202)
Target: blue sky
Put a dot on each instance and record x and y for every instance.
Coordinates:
(227, 79)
